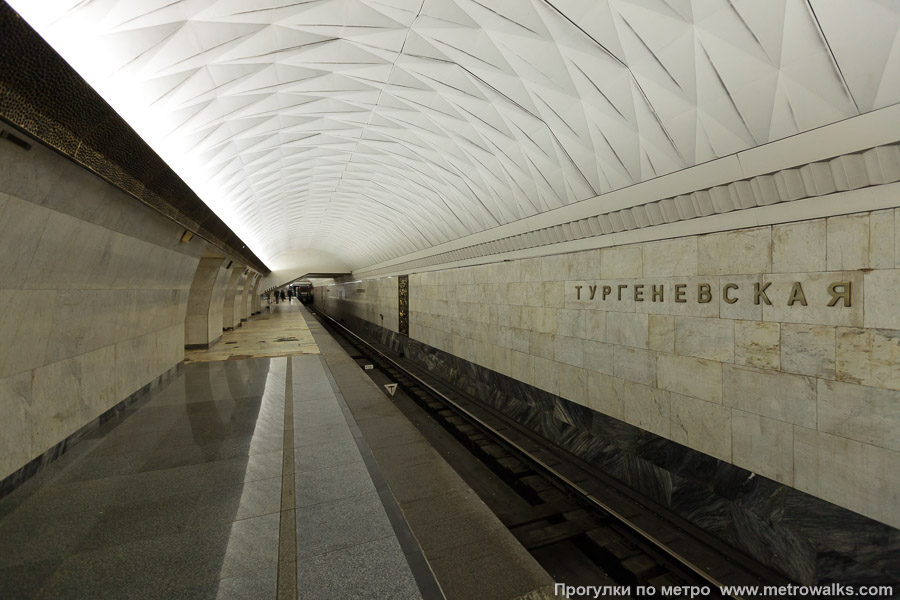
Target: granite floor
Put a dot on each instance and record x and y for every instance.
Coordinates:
(246, 478)
(279, 330)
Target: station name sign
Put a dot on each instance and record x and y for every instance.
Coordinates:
(702, 293)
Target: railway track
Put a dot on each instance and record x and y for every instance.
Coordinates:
(589, 531)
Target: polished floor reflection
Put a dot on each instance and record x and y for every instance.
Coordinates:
(204, 491)
(279, 330)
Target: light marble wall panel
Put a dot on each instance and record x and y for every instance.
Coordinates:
(881, 239)
(764, 446)
(16, 447)
(757, 344)
(216, 315)
(21, 226)
(789, 398)
(799, 247)
(26, 320)
(860, 413)
(670, 258)
(256, 300)
(703, 426)
(629, 329)
(247, 294)
(847, 242)
(705, 338)
(661, 333)
(747, 251)
(93, 296)
(808, 349)
(859, 476)
(584, 265)
(882, 303)
(647, 407)
(235, 273)
(897, 237)
(237, 306)
(203, 322)
(868, 356)
(689, 376)
(623, 262)
(746, 354)
(605, 394)
(635, 365)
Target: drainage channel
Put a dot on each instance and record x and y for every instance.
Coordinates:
(583, 527)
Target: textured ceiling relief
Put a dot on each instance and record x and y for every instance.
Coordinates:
(371, 129)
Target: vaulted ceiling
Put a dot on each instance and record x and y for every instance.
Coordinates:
(370, 129)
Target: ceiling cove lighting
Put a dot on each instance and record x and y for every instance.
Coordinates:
(370, 130)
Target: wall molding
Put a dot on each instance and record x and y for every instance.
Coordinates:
(812, 190)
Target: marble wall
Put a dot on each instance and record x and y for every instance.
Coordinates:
(373, 300)
(722, 344)
(203, 322)
(231, 309)
(249, 289)
(93, 297)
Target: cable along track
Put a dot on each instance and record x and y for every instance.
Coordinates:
(577, 520)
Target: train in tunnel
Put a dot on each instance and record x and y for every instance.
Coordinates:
(304, 291)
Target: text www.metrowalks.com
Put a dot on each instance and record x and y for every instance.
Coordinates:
(833, 590)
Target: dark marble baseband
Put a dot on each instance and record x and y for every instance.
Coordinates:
(16, 479)
(807, 539)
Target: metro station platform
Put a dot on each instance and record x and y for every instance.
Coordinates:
(274, 477)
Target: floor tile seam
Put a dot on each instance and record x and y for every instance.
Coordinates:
(245, 575)
(348, 463)
(204, 525)
(185, 472)
(184, 403)
(148, 538)
(338, 499)
(343, 500)
(317, 426)
(268, 429)
(332, 421)
(317, 444)
(286, 582)
(337, 443)
(319, 412)
(305, 426)
(305, 401)
(173, 497)
(166, 497)
(251, 440)
(61, 487)
(239, 456)
(345, 547)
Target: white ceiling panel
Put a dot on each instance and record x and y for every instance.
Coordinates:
(371, 129)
